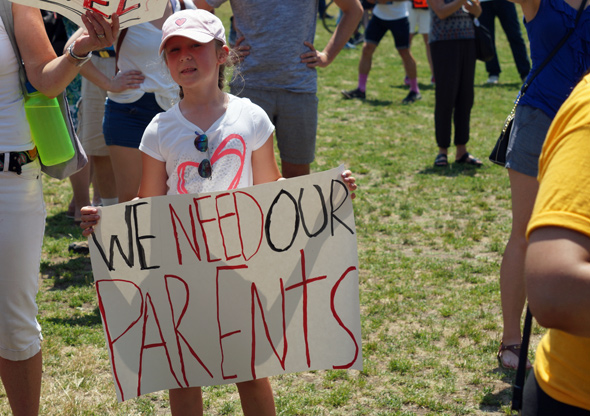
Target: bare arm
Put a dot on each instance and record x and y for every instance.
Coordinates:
(153, 177)
(557, 273)
(117, 82)
(264, 164)
(352, 11)
(48, 73)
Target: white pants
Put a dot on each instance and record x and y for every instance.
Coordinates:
(22, 224)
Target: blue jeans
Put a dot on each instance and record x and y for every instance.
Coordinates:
(506, 12)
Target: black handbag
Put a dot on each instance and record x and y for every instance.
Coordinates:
(498, 154)
(484, 44)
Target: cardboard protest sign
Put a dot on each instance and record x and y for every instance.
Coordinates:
(130, 12)
(224, 287)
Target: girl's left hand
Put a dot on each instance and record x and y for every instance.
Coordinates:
(350, 182)
(314, 58)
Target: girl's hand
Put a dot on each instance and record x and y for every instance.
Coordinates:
(349, 180)
(90, 217)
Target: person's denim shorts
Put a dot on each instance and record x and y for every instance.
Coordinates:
(124, 124)
(528, 133)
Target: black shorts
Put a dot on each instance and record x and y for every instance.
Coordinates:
(400, 29)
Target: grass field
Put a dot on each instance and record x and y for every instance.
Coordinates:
(430, 243)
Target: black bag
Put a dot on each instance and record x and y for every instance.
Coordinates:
(498, 155)
(484, 44)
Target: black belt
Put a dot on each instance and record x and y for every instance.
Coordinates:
(105, 53)
(17, 159)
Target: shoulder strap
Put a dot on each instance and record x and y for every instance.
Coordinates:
(6, 14)
(554, 51)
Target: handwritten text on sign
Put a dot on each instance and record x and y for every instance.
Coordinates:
(224, 287)
(130, 12)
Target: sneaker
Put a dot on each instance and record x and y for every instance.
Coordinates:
(356, 93)
(349, 46)
(493, 79)
(411, 97)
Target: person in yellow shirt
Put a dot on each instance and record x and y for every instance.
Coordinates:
(557, 268)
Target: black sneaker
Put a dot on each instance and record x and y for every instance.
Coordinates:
(411, 97)
(356, 93)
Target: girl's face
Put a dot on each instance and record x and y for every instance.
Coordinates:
(191, 63)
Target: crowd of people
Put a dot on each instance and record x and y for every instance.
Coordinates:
(166, 78)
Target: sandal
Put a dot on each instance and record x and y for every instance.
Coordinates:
(514, 349)
(441, 161)
(469, 159)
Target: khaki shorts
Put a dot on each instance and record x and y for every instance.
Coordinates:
(419, 20)
(295, 116)
(91, 110)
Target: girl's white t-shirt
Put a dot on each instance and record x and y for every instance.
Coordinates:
(242, 129)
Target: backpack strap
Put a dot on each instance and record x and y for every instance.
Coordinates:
(6, 14)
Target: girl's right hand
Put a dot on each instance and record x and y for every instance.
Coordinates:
(90, 218)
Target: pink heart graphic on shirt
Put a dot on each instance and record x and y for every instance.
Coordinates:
(180, 22)
(219, 153)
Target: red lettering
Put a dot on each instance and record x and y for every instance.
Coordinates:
(254, 291)
(161, 344)
(226, 217)
(203, 221)
(176, 324)
(110, 340)
(121, 10)
(335, 314)
(88, 4)
(227, 334)
(303, 285)
(194, 244)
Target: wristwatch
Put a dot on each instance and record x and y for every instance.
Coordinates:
(80, 60)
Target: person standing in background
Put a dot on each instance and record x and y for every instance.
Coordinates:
(505, 11)
(283, 80)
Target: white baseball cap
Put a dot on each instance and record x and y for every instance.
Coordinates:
(198, 25)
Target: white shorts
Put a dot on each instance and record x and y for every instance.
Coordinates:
(22, 224)
(419, 20)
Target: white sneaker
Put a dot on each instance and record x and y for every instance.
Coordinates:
(493, 79)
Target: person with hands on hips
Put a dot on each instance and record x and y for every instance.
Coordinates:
(452, 48)
(283, 79)
(205, 120)
(22, 210)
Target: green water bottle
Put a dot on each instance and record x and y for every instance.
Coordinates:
(48, 128)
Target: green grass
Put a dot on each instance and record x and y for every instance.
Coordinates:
(430, 244)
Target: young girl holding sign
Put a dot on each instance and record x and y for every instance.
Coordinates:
(210, 141)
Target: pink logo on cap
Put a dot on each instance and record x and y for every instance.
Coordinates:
(180, 22)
